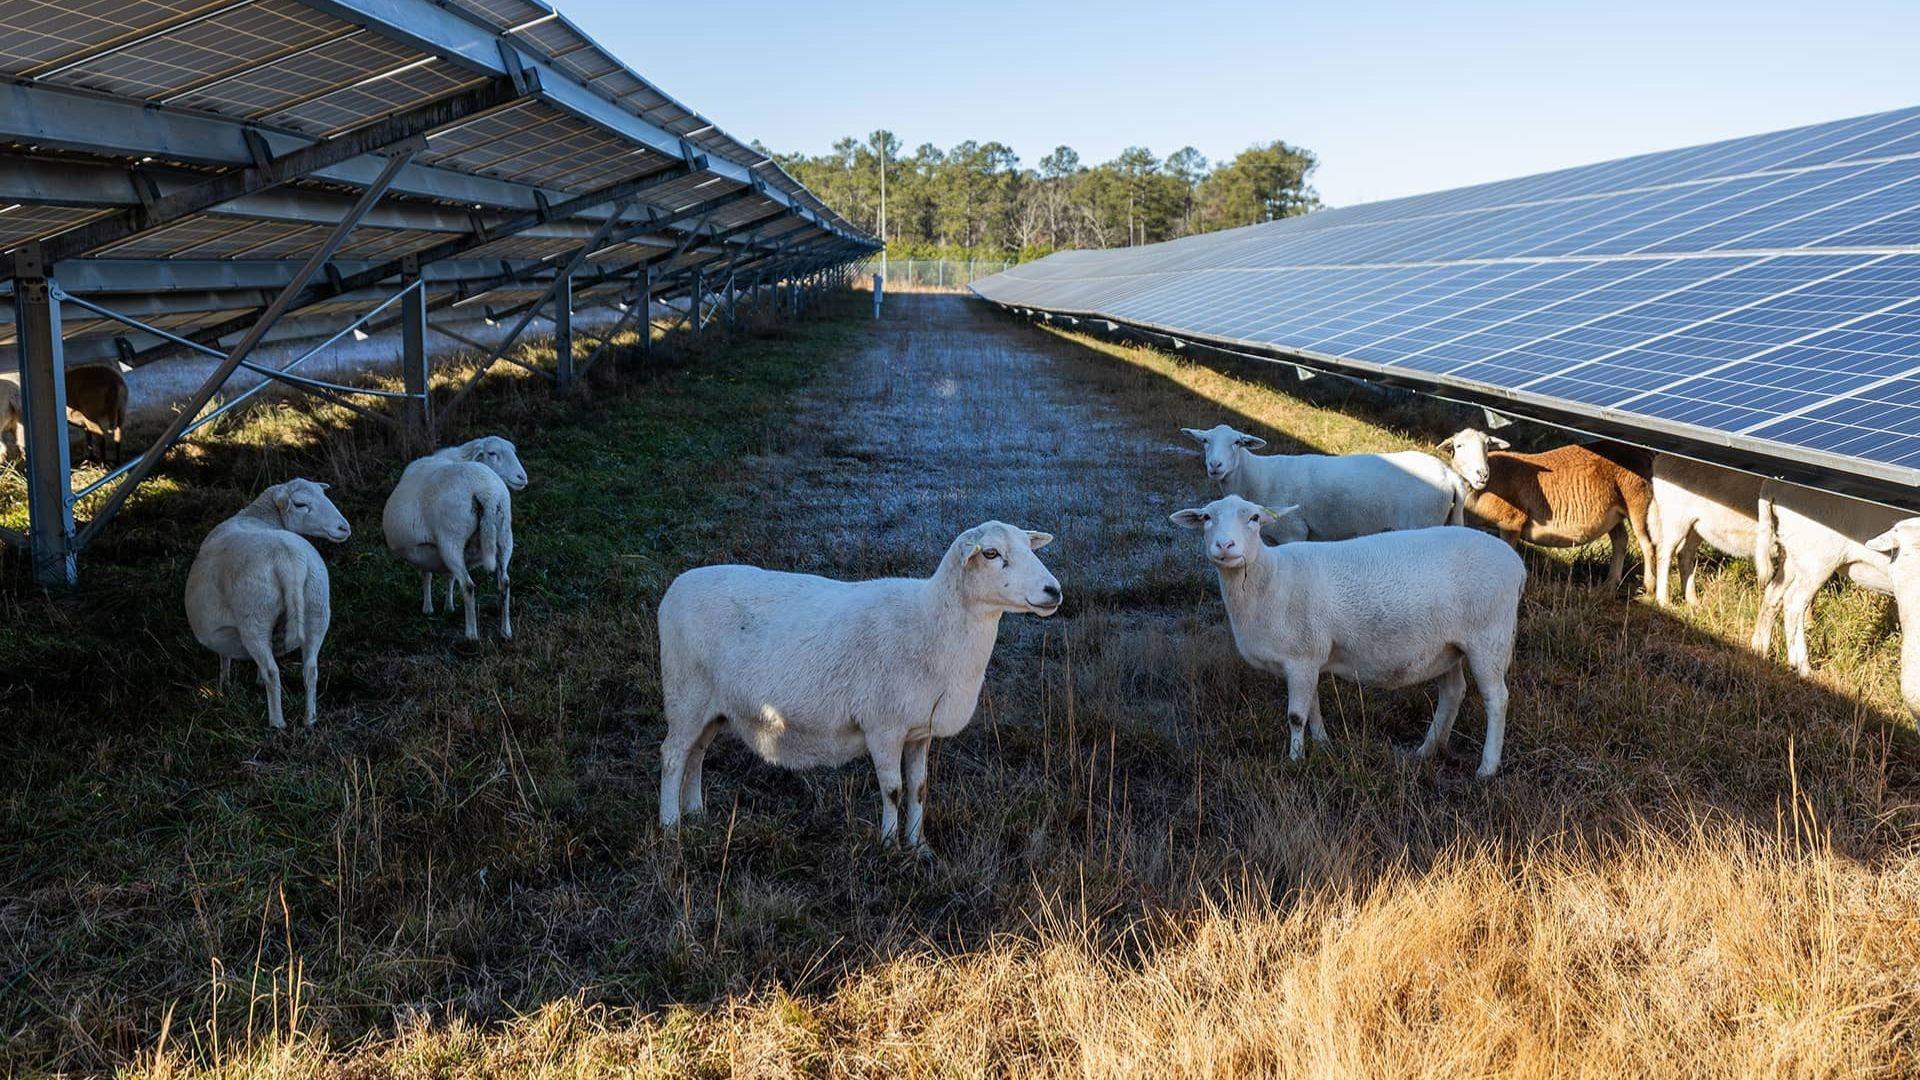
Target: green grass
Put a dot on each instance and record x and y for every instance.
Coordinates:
(436, 818)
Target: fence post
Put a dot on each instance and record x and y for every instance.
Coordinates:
(43, 406)
(879, 283)
(413, 348)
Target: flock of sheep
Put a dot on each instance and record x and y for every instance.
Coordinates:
(1370, 577)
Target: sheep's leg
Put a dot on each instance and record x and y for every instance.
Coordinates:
(1797, 602)
(310, 671)
(259, 646)
(675, 751)
(1303, 685)
(450, 608)
(453, 556)
(226, 668)
(916, 788)
(1762, 640)
(1490, 675)
(506, 584)
(1316, 728)
(1637, 520)
(1688, 555)
(886, 747)
(426, 592)
(693, 800)
(1662, 555)
(1453, 690)
(1618, 536)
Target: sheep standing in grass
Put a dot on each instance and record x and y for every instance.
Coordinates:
(1339, 496)
(1694, 501)
(1819, 534)
(1387, 610)
(258, 589)
(1566, 497)
(810, 671)
(1902, 544)
(453, 510)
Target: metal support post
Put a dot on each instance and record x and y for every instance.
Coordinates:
(563, 331)
(413, 350)
(43, 401)
(646, 311)
(697, 301)
(879, 283)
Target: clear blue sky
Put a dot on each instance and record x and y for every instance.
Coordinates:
(1396, 98)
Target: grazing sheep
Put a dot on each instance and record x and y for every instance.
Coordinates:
(258, 589)
(1387, 610)
(97, 405)
(1695, 501)
(1819, 534)
(1902, 542)
(810, 671)
(453, 510)
(1565, 497)
(1339, 495)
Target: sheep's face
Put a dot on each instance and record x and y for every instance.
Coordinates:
(498, 454)
(1001, 570)
(1467, 452)
(1231, 528)
(1224, 447)
(305, 509)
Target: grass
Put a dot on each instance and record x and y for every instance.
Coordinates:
(1692, 863)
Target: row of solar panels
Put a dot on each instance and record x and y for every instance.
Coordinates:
(1760, 295)
(111, 105)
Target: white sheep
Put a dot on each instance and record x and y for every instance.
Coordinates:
(1902, 542)
(453, 510)
(811, 671)
(1341, 495)
(1694, 501)
(258, 589)
(1389, 610)
(1819, 534)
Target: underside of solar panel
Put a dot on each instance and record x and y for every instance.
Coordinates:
(1754, 301)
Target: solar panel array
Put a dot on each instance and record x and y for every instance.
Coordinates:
(105, 104)
(1761, 293)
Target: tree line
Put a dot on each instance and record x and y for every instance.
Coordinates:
(976, 200)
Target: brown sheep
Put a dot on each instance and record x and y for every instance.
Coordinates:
(1565, 497)
(96, 404)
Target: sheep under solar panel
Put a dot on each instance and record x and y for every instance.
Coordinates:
(1763, 290)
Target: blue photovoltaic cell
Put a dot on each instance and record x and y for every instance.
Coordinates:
(1763, 290)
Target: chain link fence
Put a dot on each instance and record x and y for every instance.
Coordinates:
(933, 275)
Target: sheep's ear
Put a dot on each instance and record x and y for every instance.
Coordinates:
(1198, 435)
(1039, 539)
(1498, 443)
(1445, 444)
(1192, 519)
(1251, 442)
(321, 486)
(282, 497)
(1266, 515)
(1887, 542)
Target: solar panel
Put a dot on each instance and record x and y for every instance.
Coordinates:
(1758, 295)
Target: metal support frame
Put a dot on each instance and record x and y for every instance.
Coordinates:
(314, 262)
(43, 405)
(563, 330)
(413, 351)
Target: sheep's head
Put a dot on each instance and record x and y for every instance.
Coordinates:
(1467, 454)
(1231, 528)
(1902, 544)
(999, 568)
(497, 454)
(305, 509)
(1224, 448)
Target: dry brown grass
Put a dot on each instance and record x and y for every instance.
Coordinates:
(1693, 863)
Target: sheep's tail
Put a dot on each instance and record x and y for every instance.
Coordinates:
(292, 579)
(1763, 537)
(488, 533)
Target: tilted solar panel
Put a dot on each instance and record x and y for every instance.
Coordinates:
(1756, 299)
